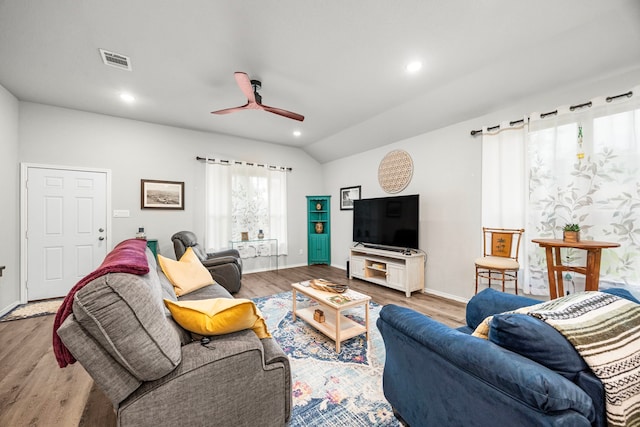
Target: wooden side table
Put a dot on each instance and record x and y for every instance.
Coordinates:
(555, 266)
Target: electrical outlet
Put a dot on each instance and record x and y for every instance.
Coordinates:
(300, 252)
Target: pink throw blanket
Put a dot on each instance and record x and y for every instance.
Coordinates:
(127, 257)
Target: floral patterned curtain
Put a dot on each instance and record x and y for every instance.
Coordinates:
(584, 168)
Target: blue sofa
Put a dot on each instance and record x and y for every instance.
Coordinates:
(526, 374)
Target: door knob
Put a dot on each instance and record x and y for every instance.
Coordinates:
(101, 229)
(100, 238)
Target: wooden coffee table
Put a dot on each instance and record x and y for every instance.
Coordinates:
(336, 326)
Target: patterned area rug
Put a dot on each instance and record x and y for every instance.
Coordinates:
(33, 309)
(329, 389)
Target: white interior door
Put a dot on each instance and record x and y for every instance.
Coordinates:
(66, 234)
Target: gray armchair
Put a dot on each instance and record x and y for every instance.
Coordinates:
(225, 266)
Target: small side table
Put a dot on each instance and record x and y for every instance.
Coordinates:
(555, 269)
(256, 244)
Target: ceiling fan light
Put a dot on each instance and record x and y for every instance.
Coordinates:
(413, 66)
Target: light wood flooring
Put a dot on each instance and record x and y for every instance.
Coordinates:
(35, 392)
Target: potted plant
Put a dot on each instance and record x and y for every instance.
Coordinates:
(571, 233)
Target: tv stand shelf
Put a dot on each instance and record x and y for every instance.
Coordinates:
(390, 268)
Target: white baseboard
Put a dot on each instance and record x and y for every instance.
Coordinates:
(302, 264)
(446, 295)
(280, 267)
(9, 308)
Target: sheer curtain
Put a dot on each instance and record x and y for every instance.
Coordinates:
(578, 165)
(244, 198)
(504, 191)
(584, 167)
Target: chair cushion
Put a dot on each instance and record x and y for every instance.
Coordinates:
(489, 301)
(538, 341)
(541, 342)
(120, 311)
(152, 278)
(497, 262)
(218, 316)
(484, 328)
(208, 292)
(186, 275)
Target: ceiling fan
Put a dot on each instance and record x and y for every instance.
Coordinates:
(254, 100)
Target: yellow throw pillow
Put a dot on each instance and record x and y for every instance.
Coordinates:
(218, 316)
(186, 275)
(482, 330)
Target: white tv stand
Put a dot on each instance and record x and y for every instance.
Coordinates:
(393, 269)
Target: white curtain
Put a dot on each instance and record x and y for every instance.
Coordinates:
(217, 207)
(504, 191)
(584, 168)
(244, 198)
(580, 166)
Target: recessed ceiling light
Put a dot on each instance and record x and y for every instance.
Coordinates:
(127, 97)
(297, 133)
(414, 66)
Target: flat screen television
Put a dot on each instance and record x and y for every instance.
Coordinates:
(387, 221)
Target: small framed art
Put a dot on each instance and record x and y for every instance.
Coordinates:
(347, 196)
(161, 194)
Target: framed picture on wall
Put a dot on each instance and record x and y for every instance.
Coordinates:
(161, 194)
(347, 196)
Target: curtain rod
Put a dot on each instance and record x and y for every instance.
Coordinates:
(551, 113)
(236, 162)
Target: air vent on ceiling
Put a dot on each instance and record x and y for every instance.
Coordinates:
(115, 60)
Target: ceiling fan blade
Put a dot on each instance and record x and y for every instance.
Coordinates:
(231, 110)
(244, 82)
(284, 113)
(254, 100)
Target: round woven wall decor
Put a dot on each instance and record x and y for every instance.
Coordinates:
(395, 171)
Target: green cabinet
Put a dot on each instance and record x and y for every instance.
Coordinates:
(319, 229)
(153, 245)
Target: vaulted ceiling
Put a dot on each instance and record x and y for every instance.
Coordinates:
(339, 63)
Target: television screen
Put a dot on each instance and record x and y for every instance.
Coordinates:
(387, 221)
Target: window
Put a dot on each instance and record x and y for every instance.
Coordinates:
(593, 181)
(245, 198)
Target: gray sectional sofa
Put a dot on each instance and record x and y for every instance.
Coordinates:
(156, 374)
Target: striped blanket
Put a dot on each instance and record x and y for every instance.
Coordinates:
(605, 331)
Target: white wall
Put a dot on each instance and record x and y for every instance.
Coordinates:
(9, 208)
(135, 150)
(447, 175)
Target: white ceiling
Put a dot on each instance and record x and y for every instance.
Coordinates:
(339, 63)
